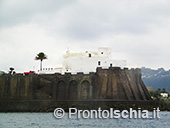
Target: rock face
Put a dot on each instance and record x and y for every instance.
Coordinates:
(106, 84)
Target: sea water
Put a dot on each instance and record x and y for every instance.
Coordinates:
(47, 120)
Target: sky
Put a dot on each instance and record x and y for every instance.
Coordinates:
(136, 30)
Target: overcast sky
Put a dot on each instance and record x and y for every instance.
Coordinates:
(137, 31)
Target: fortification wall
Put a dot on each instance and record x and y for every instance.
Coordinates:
(113, 84)
(17, 87)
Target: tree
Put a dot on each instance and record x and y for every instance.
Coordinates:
(159, 89)
(164, 90)
(150, 89)
(41, 56)
(11, 70)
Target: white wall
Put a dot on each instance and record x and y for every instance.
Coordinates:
(85, 62)
(165, 95)
(82, 62)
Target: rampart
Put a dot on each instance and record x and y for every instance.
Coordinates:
(42, 92)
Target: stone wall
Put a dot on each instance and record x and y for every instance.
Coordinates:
(113, 84)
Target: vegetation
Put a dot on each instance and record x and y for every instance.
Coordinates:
(156, 94)
(157, 78)
(41, 56)
(11, 70)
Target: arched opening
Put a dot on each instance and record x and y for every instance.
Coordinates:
(61, 90)
(73, 90)
(86, 91)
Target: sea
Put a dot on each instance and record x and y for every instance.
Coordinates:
(47, 120)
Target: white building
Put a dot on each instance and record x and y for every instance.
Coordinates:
(164, 95)
(85, 62)
(88, 61)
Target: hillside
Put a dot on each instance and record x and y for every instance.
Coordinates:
(156, 78)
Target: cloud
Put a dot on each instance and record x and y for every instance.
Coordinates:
(137, 31)
(14, 12)
(88, 20)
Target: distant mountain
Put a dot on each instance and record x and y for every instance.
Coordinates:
(156, 78)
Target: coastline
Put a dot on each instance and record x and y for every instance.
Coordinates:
(51, 105)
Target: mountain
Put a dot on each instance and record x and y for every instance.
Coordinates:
(156, 78)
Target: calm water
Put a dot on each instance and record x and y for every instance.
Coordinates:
(47, 120)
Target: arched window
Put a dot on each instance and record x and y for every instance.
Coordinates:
(86, 90)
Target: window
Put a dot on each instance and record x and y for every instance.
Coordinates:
(89, 55)
(111, 65)
(101, 52)
(99, 63)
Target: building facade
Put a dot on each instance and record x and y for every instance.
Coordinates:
(85, 62)
(88, 61)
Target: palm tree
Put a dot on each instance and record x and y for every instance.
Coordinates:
(41, 56)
